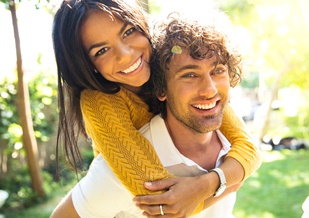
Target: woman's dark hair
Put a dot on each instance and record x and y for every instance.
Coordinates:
(201, 40)
(76, 71)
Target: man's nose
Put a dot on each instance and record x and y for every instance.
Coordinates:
(207, 87)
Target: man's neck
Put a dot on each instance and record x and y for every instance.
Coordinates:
(202, 148)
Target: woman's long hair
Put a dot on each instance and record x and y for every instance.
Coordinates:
(76, 71)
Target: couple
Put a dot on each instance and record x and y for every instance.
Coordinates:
(193, 67)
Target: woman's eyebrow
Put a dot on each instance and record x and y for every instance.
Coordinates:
(99, 44)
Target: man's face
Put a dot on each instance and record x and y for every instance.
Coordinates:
(197, 92)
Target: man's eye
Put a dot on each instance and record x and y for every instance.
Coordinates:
(129, 31)
(220, 70)
(101, 51)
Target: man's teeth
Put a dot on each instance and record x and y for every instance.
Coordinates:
(133, 67)
(205, 106)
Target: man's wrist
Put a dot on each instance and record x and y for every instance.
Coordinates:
(222, 185)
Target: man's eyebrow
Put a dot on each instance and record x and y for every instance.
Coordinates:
(104, 43)
(187, 67)
(193, 67)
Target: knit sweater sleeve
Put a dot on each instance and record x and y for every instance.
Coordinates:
(112, 121)
(243, 149)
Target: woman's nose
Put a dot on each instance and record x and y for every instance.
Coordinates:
(123, 52)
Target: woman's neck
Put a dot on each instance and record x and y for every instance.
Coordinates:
(135, 90)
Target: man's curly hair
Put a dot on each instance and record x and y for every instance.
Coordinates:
(200, 41)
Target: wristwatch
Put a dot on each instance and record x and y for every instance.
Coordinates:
(222, 185)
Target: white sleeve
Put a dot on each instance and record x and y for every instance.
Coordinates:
(100, 193)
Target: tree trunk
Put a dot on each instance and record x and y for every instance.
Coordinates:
(24, 111)
(273, 94)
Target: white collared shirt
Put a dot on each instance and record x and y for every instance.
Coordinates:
(101, 194)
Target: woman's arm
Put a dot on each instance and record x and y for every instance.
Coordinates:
(65, 208)
(112, 122)
(243, 150)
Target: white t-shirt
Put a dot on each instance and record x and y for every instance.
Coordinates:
(305, 207)
(101, 194)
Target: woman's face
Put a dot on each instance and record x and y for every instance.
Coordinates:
(118, 50)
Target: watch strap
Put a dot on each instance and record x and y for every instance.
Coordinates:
(222, 179)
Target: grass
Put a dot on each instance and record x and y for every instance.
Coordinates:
(276, 190)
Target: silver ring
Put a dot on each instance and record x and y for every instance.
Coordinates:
(161, 210)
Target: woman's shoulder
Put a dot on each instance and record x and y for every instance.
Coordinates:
(95, 95)
(122, 99)
(122, 95)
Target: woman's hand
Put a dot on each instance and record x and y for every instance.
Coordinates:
(182, 198)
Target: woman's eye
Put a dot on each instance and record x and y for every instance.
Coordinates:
(101, 51)
(188, 75)
(129, 31)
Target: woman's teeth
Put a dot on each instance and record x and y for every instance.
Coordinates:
(205, 106)
(133, 67)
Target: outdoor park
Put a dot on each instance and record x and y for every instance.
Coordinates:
(272, 100)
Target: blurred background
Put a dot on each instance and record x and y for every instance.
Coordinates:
(272, 99)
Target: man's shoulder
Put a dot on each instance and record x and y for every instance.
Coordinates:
(154, 121)
(146, 129)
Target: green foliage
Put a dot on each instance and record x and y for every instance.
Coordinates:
(9, 129)
(250, 81)
(42, 97)
(299, 125)
(154, 7)
(19, 187)
(277, 189)
(36, 4)
(43, 105)
(21, 195)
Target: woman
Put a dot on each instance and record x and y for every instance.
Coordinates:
(101, 73)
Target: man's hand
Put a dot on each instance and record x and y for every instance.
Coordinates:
(181, 199)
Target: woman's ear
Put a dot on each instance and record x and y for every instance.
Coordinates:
(162, 96)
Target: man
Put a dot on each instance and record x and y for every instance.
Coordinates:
(196, 68)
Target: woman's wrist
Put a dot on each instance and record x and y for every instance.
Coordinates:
(209, 184)
(233, 171)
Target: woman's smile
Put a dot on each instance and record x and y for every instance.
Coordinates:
(133, 67)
